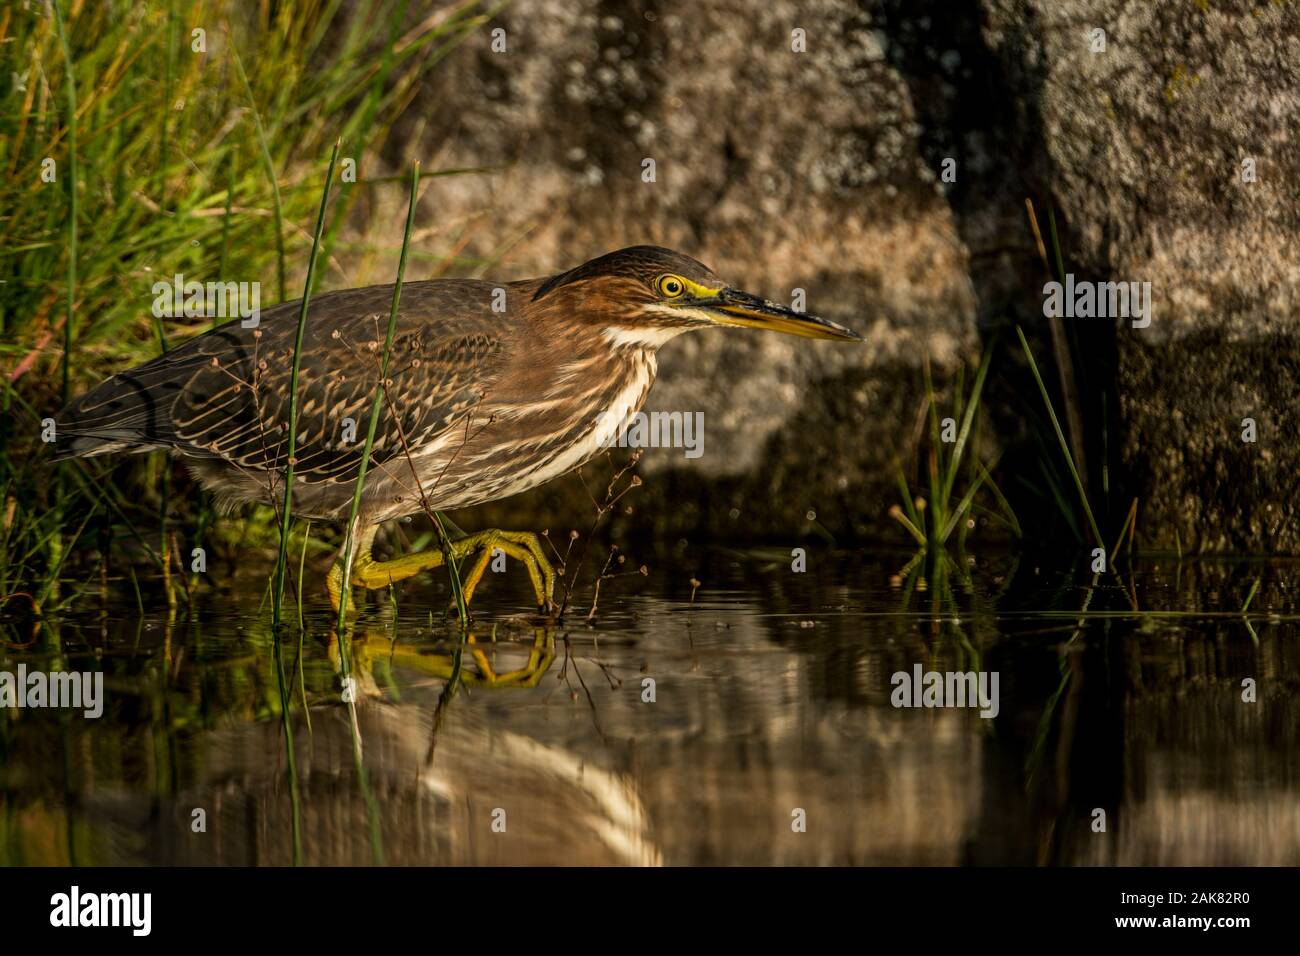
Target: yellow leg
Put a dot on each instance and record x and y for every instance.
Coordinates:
(523, 546)
(334, 580)
(469, 582)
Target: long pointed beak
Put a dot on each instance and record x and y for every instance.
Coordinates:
(733, 307)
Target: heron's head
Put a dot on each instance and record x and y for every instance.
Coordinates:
(646, 294)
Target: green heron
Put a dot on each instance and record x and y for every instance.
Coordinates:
(493, 388)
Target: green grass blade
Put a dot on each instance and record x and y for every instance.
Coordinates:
(377, 402)
(286, 514)
(968, 418)
(276, 207)
(68, 332)
(1060, 437)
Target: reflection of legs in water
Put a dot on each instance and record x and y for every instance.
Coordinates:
(376, 646)
(540, 657)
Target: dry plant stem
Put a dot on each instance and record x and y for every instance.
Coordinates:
(562, 562)
(595, 598)
(611, 500)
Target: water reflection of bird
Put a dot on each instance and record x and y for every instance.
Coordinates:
(494, 388)
(461, 790)
(490, 795)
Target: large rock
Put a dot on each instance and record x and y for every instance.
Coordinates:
(819, 170)
(1149, 145)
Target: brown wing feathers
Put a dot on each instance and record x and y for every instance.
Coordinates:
(225, 394)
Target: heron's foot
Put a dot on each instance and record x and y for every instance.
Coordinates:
(523, 546)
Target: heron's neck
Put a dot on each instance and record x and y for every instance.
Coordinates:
(649, 338)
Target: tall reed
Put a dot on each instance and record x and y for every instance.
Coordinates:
(286, 511)
(376, 403)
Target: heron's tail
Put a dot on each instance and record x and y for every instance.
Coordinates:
(130, 412)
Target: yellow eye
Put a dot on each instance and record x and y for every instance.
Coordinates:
(671, 286)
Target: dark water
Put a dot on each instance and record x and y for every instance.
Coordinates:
(772, 695)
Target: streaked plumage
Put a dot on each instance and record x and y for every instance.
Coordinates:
(493, 388)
